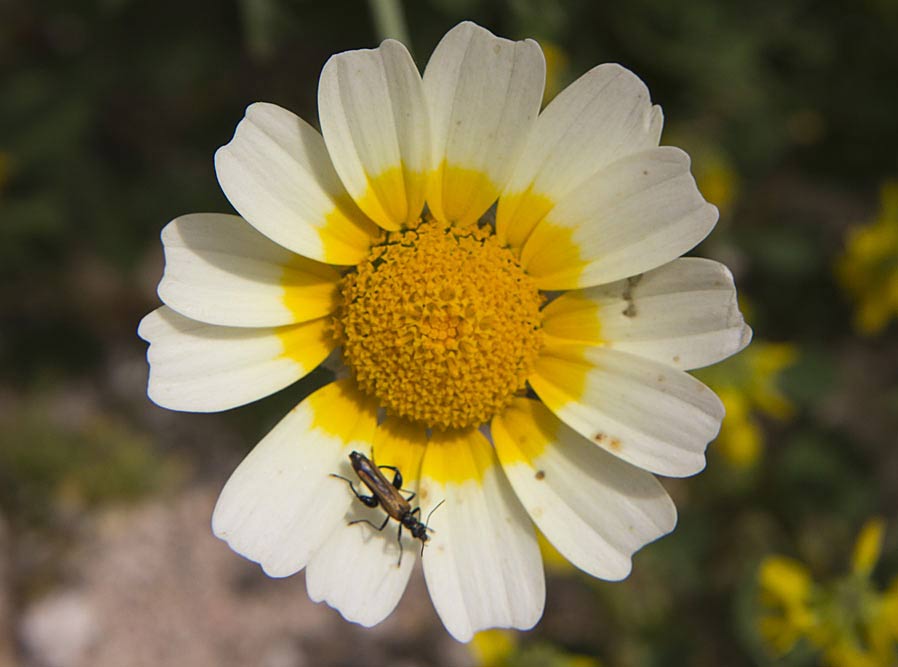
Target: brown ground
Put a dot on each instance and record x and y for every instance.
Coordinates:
(151, 587)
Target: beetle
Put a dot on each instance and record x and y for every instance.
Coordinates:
(388, 495)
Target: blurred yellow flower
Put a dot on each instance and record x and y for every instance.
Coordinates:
(499, 648)
(785, 589)
(717, 178)
(883, 628)
(748, 386)
(868, 269)
(767, 361)
(847, 620)
(868, 547)
(492, 648)
(740, 439)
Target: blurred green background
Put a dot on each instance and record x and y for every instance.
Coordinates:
(110, 112)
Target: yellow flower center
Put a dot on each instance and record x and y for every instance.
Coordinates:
(440, 324)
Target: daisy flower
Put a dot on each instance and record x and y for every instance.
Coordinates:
(513, 321)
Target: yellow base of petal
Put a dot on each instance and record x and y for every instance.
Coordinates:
(306, 343)
(309, 289)
(395, 197)
(552, 257)
(459, 195)
(346, 234)
(342, 411)
(518, 214)
(456, 457)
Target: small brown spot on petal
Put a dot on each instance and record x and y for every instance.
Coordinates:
(676, 358)
(599, 437)
(540, 474)
(627, 294)
(615, 444)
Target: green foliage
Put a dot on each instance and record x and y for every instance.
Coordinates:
(48, 469)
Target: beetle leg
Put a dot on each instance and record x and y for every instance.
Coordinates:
(397, 477)
(377, 528)
(369, 501)
(399, 540)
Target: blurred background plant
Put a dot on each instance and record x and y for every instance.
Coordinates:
(868, 270)
(847, 620)
(748, 386)
(110, 113)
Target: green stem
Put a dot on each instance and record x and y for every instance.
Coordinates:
(389, 21)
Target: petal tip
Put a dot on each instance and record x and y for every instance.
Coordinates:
(745, 339)
(621, 572)
(145, 326)
(686, 466)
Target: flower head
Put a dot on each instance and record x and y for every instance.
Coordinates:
(513, 320)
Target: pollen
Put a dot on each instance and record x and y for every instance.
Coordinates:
(440, 324)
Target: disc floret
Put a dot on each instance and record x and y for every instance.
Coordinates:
(441, 324)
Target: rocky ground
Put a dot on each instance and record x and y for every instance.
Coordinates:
(149, 586)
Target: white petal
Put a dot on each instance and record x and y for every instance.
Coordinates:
(358, 570)
(594, 508)
(220, 270)
(603, 116)
(483, 93)
(636, 214)
(482, 563)
(374, 121)
(649, 414)
(277, 173)
(200, 367)
(280, 504)
(684, 314)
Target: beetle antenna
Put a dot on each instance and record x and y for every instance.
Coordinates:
(430, 514)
